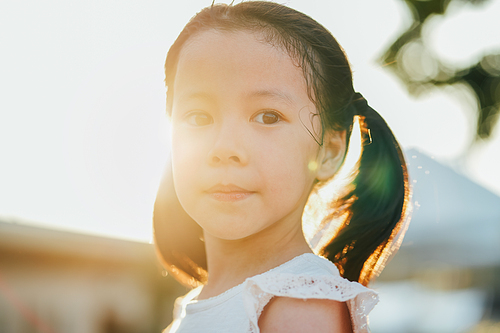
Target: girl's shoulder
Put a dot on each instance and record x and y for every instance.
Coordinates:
(285, 314)
(308, 277)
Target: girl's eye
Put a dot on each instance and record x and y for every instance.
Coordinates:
(199, 119)
(267, 118)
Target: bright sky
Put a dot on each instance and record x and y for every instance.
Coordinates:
(83, 136)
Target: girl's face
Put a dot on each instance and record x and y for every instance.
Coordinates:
(241, 155)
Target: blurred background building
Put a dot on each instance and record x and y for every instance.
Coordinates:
(55, 282)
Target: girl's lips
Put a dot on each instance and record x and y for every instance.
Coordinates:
(228, 193)
(230, 196)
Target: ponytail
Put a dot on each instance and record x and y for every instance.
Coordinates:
(376, 207)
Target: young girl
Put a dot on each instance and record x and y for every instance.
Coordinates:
(262, 108)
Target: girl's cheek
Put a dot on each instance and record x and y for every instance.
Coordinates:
(180, 149)
(184, 154)
(188, 156)
(184, 140)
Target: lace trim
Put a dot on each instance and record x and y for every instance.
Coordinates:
(191, 298)
(259, 290)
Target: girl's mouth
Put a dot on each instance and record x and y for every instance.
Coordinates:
(228, 193)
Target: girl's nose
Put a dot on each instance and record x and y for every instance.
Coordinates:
(228, 148)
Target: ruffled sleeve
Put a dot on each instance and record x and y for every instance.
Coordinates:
(260, 289)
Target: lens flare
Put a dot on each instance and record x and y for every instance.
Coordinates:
(319, 205)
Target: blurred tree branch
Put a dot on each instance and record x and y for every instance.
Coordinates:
(412, 62)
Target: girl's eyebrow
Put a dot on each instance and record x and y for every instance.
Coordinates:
(196, 95)
(270, 93)
(273, 94)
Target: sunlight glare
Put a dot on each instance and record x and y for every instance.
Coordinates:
(316, 230)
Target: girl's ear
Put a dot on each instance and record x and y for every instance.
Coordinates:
(331, 154)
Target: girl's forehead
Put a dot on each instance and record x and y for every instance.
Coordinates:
(237, 57)
(224, 41)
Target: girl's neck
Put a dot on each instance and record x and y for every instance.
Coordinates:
(231, 262)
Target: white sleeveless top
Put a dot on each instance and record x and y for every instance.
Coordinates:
(238, 309)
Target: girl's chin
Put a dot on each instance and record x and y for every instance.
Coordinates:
(230, 231)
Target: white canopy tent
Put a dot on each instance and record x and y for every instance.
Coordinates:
(454, 220)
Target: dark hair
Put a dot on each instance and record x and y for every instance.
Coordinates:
(375, 208)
